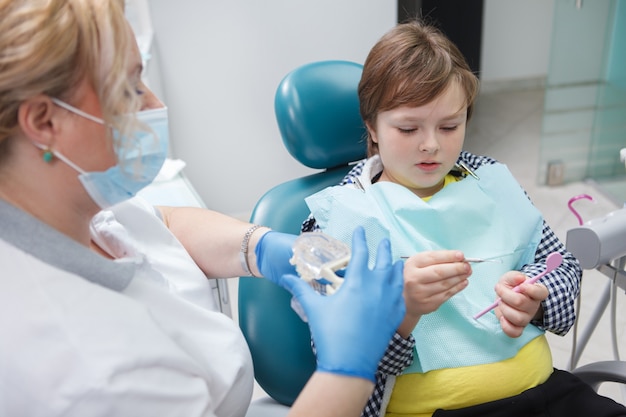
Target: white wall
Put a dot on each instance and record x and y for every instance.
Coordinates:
(221, 60)
(516, 39)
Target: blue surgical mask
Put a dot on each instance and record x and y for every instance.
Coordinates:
(140, 158)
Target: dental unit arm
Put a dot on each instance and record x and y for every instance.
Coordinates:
(601, 244)
(599, 241)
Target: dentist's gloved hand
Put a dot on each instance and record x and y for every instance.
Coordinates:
(273, 252)
(352, 328)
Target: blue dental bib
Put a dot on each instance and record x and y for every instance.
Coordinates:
(486, 218)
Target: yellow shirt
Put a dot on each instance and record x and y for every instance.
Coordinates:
(419, 395)
(448, 179)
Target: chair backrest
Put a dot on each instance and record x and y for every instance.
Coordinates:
(317, 111)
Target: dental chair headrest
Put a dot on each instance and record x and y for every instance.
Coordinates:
(317, 109)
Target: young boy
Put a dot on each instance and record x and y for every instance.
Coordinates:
(440, 207)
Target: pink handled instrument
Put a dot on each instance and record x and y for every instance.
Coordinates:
(552, 262)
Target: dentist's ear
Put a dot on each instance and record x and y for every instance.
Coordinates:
(37, 119)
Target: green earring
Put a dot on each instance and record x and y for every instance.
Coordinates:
(48, 155)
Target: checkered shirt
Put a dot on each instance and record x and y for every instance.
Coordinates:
(559, 311)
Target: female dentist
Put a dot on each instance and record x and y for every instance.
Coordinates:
(105, 307)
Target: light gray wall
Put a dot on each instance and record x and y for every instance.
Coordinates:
(218, 63)
(516, 40)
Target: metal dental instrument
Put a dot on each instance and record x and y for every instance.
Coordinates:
(552, 262)
(494, 259)
(463, 167)
(358, 184)
(479, 260)
(471, 260)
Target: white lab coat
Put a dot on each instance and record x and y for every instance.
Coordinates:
(84, 336)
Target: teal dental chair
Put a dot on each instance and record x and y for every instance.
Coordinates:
(317, 111)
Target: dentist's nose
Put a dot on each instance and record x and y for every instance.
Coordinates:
(149, 100)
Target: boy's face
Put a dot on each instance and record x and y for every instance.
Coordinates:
(418, 146)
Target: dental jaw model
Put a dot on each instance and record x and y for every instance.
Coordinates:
(317, 257)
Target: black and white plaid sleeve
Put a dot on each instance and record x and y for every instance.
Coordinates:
(559, 311)
(397, 358)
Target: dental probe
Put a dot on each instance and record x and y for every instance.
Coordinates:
(471, 260)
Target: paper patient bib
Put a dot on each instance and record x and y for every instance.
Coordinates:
(490, 217)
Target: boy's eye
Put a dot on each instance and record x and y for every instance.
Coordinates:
(407, 130)
(449, 128)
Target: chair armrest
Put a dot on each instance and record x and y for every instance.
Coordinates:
(267, 407)
(596, 373)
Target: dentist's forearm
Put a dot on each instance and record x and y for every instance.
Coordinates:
(331, 395)
(213, 239)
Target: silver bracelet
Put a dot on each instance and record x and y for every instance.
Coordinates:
(243, 254)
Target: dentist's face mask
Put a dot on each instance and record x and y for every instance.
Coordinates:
(140, 158)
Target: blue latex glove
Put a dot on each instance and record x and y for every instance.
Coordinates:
(352, 328)
(273, 252)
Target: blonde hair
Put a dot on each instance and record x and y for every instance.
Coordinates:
(411, 65)
(49, 46)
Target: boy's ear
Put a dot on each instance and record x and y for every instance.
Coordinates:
(371, 131)
(36, 118)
